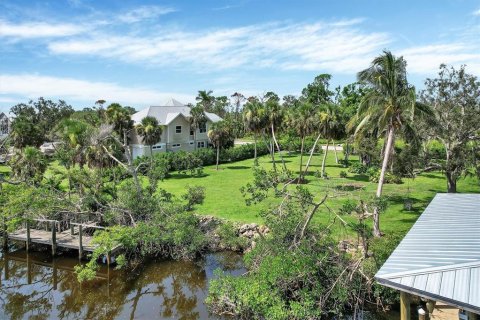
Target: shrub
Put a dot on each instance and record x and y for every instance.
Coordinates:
(374, 175)
(343, 174)
(358, 168)
(230, 238)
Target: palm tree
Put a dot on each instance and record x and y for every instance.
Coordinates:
(28, 165)
(254, 119)
(197, 118)
(151, 133)
(327, 125)
(205, 99)
(389, 105)
(301, 119)
(119, 117)
(219, 134)
(274, 115)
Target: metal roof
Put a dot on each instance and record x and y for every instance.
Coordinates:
(439, 258)
(168, 112)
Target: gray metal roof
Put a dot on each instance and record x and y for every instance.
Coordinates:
(439, 258)
(168, 112)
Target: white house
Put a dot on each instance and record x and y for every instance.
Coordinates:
(177, 134)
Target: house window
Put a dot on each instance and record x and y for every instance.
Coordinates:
(201, 144)
(156, 147)
(191, 131)
(203, 127)
(178, 129)
(176, 145)
(191, 143)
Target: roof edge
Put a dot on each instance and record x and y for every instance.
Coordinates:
(427, 295)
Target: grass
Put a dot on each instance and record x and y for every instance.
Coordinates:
(224, 199)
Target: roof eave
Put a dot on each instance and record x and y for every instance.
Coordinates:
(427, 295)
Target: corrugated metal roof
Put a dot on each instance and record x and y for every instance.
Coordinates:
(166, 113)
(439, 258)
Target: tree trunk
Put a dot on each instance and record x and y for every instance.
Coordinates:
(346, 153)
(194, 139)
(300, 176)
(151, 157)
(255, 142)
(381, 179)
(278, 147)
(335, 151)
(451, 182)
(324, 160)
(218, 155)
(311, 154)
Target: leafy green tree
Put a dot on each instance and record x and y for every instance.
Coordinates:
(220, 134)
(28, 165)
(151, 133)
(255, 119)
(220, 106)
(33, 121)
(389, 105)
(454, 96)
(274, 114)
(196, 119)
(318, 92)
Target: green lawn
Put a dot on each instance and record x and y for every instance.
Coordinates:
(224, 199)
(4, 169)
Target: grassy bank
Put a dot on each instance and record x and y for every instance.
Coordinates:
(224, 199)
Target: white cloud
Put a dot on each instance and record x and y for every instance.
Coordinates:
(32, 86)
(476, 12)
(337, 46)
(38, 30)
(144, 13)
(427, 59)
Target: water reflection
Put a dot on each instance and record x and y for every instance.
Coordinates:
(36, 286)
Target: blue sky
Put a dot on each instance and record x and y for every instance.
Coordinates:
(141, 53)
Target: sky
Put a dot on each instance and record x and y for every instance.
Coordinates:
(142, 53)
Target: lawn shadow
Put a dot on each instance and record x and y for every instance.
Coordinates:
(358, 177)
(350, 187)
(238, 167)
(279, 161)
(432, 176)
(180, 176)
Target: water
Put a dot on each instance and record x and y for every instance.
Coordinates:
(35, 286)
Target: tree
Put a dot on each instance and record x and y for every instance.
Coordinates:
(390, 105)
(120, 118)
(454, 97)
(254, 119)
(151, 133)
(197, 118)
(274, 114)
(220, 106)
(318, 92)
(206, 100)
(33, 121)
(301, 119)
(28, 165)
(219, 134)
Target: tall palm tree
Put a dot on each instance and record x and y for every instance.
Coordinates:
(254, 119)
(151, 133)
(206, 99)
(274, 114)
(301, 119)
(327, 125)
(119, 117)
(197, 118)
(219, 134)
(389, 105)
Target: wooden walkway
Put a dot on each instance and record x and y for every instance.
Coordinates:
(72, 238)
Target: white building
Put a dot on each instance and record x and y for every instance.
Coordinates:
(177, 134)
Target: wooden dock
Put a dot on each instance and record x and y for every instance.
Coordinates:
(72, 238)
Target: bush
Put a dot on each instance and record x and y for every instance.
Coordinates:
(358, 168)
(343, 174)
(230, 238)
(374, 175)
